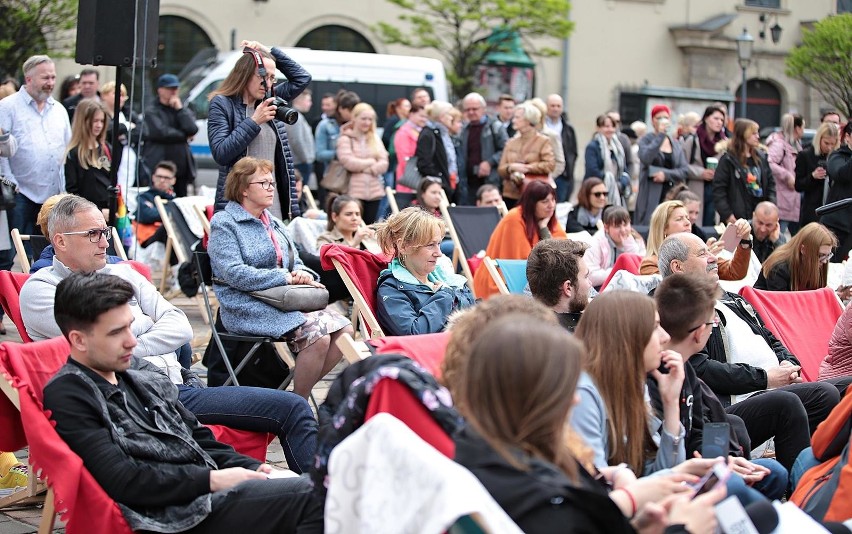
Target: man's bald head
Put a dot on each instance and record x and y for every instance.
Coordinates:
(555, 106)
(764, 220)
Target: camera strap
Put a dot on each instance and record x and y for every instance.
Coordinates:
(261, 70)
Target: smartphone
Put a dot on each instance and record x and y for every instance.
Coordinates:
(821, 163)
(715, 440)
(717, 475)
(730, 238)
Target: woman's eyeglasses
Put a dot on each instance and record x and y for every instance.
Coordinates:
(270, 79)
(265, 185)
(823, 258)
(600, 194)
(95, 234)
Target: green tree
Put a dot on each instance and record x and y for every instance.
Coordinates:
(31, 27)
(824, 60)
(459, 30)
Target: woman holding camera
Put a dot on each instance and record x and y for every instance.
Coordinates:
(663, 165)
(244, 121)
(811, 172)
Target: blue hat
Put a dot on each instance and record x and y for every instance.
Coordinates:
(168, 80)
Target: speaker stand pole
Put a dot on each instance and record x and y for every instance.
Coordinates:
(115, 149)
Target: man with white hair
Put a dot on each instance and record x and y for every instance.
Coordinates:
(42, 130)
(482, 142)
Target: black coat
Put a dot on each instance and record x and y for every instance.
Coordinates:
(840, 174)
(730, 193)
(166, 134)
(92, 183)
(806, 162)
(711, 363)
(432, 158)
(542, 499)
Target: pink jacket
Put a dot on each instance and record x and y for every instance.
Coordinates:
(599, 255)
(365, 164)
(782, 161)
(839, 360)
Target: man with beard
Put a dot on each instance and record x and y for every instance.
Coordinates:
(40, 126)
(559, 278)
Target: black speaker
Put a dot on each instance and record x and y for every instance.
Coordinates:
(108, 31)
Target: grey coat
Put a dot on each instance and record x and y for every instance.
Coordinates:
(493, 140)
(243, 258)
(650, 191)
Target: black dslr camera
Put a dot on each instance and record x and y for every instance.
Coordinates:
(284, 113)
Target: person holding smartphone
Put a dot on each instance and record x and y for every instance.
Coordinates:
(812, 171)
(663, 165)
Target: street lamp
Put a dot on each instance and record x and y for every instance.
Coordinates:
(745, 44)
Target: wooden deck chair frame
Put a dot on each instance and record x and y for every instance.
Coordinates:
(118, 245)
(360, 308)
(309, 198)
(494, 271)
(33, 493)
(18, 241)
(391, 194)
(202, 217)
(354, 351)
(173, 245)
(458, 251)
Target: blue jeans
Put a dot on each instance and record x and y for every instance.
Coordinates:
(24, 216)
(282, 413)
(804, 461)
(384, 205)
(564, 188)
(184, 355)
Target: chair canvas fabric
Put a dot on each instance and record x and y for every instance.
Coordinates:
(363, 268)
(10, 290)
(80, 500)
(626, 262)
(474, 227)
(426, 349)
(514, 274)
(802, 320)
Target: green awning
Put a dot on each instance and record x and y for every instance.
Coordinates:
(511, 51)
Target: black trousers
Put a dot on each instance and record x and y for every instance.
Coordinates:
(790, 414)
(265, 506)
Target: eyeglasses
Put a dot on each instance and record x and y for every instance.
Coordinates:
(266, 185)
(714, 323)
(164, 177)
(95, 234)
(270, 78)
(600, 194)
(823, 258)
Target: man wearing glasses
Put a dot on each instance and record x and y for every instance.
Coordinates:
(80, 238)
(168, 128)
(742, 359)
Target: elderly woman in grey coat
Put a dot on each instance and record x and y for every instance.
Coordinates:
(662, 165)
(250, 251)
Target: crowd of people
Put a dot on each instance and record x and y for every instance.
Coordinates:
(574, 410)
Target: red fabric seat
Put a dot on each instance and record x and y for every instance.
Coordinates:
(426, 349)
(10, 290)
(625, 262)
(802, 320)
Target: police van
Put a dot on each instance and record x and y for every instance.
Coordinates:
(377, 78)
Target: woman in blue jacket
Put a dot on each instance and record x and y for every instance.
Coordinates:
(416, 294)
(242, 122)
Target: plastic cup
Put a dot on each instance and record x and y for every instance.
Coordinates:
(712, 163)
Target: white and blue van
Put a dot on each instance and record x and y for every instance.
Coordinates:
(377, 78)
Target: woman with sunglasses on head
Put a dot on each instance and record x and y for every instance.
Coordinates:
(416, 293)
(587, 214)
(840, 175)
(801, 263)
(242, 121)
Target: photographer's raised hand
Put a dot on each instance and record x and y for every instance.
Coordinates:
(255, 45)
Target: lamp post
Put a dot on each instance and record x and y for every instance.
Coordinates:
(745, 44)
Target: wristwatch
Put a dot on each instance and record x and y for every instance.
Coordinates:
(745, 244)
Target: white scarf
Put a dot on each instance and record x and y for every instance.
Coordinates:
(610, 179)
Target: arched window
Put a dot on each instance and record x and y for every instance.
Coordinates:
(179, 40)
(334, 37)
(763, 102)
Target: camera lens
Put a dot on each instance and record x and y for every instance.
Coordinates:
(285, 113)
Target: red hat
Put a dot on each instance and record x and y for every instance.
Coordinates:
(659, 108)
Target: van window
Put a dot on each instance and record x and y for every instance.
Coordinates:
(377, 95)
(200, 105)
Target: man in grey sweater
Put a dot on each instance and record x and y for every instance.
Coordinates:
(80, 238)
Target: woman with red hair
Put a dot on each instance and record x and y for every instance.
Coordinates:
(533, 219)
(663, 164)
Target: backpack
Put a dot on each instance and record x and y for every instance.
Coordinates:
(825, 491)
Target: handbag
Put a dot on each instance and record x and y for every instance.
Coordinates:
(410, 176)
(335, 178)
(7, 194)
(293, 297)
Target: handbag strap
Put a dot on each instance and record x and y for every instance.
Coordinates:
(291, 256)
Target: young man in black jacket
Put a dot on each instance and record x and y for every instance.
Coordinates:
(150, 454)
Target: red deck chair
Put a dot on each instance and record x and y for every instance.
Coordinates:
(73, 493)
(802, 320)
(625, 262)
(359, 270)
(10, 290)
(426, 349)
